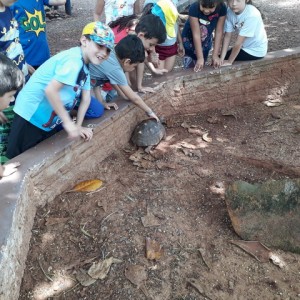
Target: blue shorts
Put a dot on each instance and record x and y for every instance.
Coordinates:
(95, 110)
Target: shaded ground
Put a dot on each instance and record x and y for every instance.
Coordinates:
(179, 188)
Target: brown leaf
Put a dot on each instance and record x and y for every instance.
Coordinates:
(153, 249)
(206, 138)
(84, 278)
(213, 120)
(195, 131)
(254, 248)
(164, 165)
(100, 270)
(136, 274)
(53, 221)
(87, 186)
(150, 220)
(185, 125)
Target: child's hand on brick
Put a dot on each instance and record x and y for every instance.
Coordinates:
(86, 133)
(216, 61)
(8, 169)
(226, 63)
(159, 71)
(3, 118)
(199, 64)
(108, 106)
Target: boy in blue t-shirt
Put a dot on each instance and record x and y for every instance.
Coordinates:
(55, 88)
(128, 53)
(12, 80)
(30, 15)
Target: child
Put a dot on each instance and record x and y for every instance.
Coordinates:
(151, 30)
(128, 53)
(205, 17)
(9, 37)
(30, 15)
(172, 46)
(251, 42)
(12, 79)
(54, 89)
(115, 9)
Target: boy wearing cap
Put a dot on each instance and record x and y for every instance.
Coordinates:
(128, 53)
(55, 88)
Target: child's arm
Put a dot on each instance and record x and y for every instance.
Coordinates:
(226, 41)
(137, 100)
(139, 79)
(99, 9)
(52, 93)
(218, 42)
(235, 50)
(137, 8)
(194, 22)
(57, 2)
(85, 133)
(108, 106)
(8, 169)
(154, 70)
(180, 50)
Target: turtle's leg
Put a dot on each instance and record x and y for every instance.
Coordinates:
(148, 149)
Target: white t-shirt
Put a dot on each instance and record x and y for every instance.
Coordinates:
(118, 8)
(250, 25)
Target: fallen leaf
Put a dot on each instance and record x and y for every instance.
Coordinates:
(150, 220)
(53, 221)
(254, 248)
(229, 114)
(153, 249)
(136, 274)
(84, 279)
(276, 260)
(87, 186)
(273, 103)
(213, 120)
(193, 282)
(185, 125)
(100, 270)
(164, 165)
(206, 138)
(195, 131)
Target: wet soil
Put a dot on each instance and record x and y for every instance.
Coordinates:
(180, 187)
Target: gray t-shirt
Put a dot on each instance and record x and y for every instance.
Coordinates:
(108, 71)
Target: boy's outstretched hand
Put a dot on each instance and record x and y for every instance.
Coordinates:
(8, 169)
(86, 133)
(152, 114)
(146, 89)
(199, 65)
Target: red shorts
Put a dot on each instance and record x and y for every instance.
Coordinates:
(166, 51)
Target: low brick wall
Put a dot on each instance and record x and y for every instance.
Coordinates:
(50, 168)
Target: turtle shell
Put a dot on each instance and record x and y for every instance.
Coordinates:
(148, 133)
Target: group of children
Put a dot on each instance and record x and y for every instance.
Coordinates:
(110, 58)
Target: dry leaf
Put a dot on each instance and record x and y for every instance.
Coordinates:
(254, 248)
(136, 274)
(87, 186)
(153, 249)
(53, 221)
(206, 138)
(213, 120)
(84, 278)
(100, 270)
(164, 165)
(195, 131)
(185, 125)
(273, 103)
(276, 260)
(194, 282)
(150, 220)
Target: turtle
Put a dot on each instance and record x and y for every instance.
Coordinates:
(148, 134)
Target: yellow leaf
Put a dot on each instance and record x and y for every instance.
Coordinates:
(87, 186)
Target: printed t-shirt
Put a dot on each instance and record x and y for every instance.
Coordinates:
(66, 67)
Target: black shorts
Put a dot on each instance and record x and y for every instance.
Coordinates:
(23, 135)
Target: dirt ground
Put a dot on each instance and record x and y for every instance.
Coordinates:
(178, 192)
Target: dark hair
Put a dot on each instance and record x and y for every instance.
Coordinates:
(124, 22)
(12, 78)
(131, 47)
(210, 3)
(152, 27)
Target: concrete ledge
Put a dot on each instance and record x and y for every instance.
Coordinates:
(49, 169)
